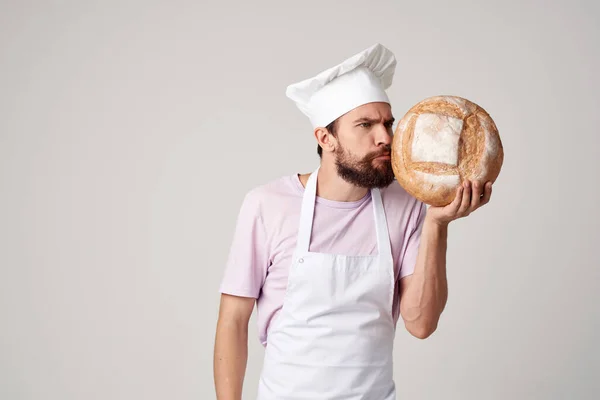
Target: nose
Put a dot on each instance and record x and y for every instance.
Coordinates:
(383, 135)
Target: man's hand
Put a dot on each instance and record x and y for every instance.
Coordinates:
(469, 197)
(425, 292)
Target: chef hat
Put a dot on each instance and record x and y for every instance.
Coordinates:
(360, 79)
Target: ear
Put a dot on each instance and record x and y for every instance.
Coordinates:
(325, 139)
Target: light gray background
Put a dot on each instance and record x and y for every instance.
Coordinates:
(131, 130)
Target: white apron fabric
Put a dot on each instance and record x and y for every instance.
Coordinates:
(333, 338)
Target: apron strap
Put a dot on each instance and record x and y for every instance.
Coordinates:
(383, 238)
(307, 213)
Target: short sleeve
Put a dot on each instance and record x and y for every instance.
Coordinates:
(247, 263)
(409, 258)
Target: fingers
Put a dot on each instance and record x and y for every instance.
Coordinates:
(455, 205)
(469, 197)
(487, 193)
(476, 196)
(466, 198)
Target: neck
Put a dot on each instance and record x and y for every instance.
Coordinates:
(331, 187)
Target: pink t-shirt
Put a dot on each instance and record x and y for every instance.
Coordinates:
(267, 226)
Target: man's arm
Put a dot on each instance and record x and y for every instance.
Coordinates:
(423, 294)
(243, 278)
(231, 346)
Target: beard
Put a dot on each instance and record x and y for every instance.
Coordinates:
(365, 172)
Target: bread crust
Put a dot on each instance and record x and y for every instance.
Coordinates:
(455, 130)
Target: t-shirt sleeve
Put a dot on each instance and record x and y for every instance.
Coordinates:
(409, 259)
(247, 262)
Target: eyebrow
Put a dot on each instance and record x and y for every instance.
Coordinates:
(372, 120)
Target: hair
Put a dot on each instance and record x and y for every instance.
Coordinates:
(331, 128)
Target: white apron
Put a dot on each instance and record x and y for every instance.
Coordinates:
(333, 338)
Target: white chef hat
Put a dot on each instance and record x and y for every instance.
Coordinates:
(360, 79)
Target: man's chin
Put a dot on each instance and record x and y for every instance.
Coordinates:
(375, 174)
(384, 167)
(383, 183)
(385, 175)
(379, 180)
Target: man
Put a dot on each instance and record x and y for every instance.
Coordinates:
(334, 258)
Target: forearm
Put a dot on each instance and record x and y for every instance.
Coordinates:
(230, 358)
(426, 295)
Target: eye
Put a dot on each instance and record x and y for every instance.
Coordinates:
(365, 125)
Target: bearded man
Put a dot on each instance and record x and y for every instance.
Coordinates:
(334, 258)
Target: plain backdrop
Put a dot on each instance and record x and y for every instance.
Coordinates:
(131, 130)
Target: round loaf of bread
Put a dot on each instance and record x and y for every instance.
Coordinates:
(442, 141)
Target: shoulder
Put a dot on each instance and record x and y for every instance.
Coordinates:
(272, 192)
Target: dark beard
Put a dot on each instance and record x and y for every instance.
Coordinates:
(362, 173)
